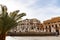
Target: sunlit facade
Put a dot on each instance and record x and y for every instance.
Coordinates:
(28, 25)
(52, 25)
(34, 25)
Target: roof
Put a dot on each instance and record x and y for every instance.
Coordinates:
(52, 20)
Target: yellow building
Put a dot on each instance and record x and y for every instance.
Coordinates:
(52, 25)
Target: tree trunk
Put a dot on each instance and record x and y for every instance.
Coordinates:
(2, 36)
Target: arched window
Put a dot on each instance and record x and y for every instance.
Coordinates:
(46, 27)
(32, 28)
(56, 25)
(52, 25)
(38, 28)
(57, 29)
(59, 24)
(49, 28)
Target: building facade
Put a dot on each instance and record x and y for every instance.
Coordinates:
(52, 25)
(28, 25)
(34, 25)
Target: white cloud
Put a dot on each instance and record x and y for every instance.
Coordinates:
(42, 13)
(45, 12)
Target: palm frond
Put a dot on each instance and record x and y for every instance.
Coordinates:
(8, 21)
(20, 16)
(14, 14)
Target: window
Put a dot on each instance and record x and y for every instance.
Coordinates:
(57, 29)
(58, 21)
(56, 25)
(59, 24)
(52, 25)
(32, 28)
(49, 28)
(37, 28)
(46, 27)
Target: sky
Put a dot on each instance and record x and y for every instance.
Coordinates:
(40, 9)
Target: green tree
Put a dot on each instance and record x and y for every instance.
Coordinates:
(8, 21)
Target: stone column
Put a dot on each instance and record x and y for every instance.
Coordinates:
(44, 28)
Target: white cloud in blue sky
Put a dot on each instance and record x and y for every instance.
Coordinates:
(40, 9)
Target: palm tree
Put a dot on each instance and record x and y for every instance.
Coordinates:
(8, 21)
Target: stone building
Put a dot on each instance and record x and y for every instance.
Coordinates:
(52, 25)
(34, 25)
(28, 25)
